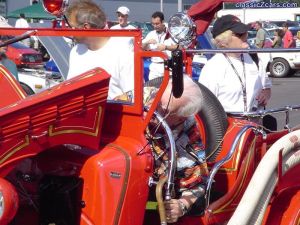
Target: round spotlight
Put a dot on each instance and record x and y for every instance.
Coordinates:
(55, 7)
(182, 29)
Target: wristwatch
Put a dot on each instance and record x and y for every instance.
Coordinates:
(183, 207)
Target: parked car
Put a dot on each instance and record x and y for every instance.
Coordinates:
(281, 64)
(284, 64)
(32, 76)
(269, 25)
(24, 56)
(289, 23)
(34, 81)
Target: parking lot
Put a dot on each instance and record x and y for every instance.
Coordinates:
(285, 91)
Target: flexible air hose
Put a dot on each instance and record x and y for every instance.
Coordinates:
(252, 206)
(289, 161)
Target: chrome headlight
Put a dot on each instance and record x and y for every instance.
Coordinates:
(182, 29)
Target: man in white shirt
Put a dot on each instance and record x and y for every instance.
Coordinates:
(21, 22)
(234, 78)
(104, 52)
(158, 40)
(123, 13)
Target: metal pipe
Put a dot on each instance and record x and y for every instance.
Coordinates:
(218, 164)
(171, 169)
(242, 50)
(179, 5)
(287, 119)
(162, 5)
(172, 156)
(21, 37)
(261, 113)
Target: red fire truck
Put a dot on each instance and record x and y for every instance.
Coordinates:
(69, 156)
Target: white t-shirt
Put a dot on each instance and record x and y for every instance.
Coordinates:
(157, 67)
(128, 41)
(219, 76)
(118, 26)
(160, 38)
(112, 57)
(21, 23)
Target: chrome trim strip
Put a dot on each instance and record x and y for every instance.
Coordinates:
(218, 164)
(242, 50)
(172, 155)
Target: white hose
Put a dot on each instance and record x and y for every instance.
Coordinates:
(253, 204)
(289, 161)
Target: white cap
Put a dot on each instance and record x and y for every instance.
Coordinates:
(123, 10)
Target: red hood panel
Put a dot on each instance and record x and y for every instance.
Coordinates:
(71, 112)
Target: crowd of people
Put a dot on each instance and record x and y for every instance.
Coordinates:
(283, 37)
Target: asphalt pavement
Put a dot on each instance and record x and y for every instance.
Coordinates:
(286, 91)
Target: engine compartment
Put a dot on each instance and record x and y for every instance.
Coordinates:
(49, 187)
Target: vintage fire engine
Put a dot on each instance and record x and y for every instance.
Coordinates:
(68, 156)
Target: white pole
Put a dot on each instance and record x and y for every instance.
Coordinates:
(162, 5)
(179, 5)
